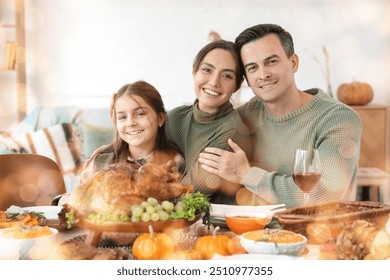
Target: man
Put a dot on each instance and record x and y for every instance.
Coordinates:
(281, 118)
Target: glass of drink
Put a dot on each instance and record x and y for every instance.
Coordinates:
(306, 171)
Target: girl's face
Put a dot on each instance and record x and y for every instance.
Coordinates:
(215, 80)
(137, 124)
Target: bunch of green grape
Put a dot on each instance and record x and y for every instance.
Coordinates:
(152, 210)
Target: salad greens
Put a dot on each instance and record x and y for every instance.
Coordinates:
(193, 203)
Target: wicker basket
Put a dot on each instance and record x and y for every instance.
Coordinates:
(319, 221)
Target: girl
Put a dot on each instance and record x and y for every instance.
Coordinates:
(138, 115)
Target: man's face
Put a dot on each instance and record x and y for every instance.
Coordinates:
(269, 72)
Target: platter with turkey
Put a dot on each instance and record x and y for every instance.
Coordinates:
(121, 199)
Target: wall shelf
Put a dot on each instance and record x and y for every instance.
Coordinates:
(14, 32)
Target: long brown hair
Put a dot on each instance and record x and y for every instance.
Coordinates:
(153, 98)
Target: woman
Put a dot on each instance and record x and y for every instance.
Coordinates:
(211, 120)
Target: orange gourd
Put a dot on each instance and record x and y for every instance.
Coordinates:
(153, 246)
(215, 244)
(355, 93)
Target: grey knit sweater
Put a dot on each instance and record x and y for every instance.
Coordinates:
(325, 124)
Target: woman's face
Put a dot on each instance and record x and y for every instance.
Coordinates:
(215, 80)
(137, 124)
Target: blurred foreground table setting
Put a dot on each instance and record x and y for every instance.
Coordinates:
(338, 230)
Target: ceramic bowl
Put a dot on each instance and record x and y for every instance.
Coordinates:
(26, 248)
(244, 221)
(273, 241)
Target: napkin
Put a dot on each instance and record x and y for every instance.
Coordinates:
(50, 212)
(256, 257)
(219, 210)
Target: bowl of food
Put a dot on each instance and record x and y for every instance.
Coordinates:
(273, 241)
(244, 221)
(27, 242)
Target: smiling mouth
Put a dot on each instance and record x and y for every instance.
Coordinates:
(267, 86)
(134, 132)
(211, 92)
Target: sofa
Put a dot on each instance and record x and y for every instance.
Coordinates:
(66, 134)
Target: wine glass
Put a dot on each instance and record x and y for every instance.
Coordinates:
(306, 171)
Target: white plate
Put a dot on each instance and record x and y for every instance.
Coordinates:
(219, 210)
(50, 212)
(255, 257)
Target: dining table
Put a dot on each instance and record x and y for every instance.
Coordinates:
(185, 239)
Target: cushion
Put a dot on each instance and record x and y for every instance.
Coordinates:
(95, 116)
(59, 142)
(42, 117)
(96, 136)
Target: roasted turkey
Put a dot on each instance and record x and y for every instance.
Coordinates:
(117, 187)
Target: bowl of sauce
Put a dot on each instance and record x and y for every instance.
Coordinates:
(243, 221)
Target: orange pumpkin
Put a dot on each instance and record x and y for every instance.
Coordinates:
(215, 244)
(153, 246)
(187, 255)
(355, 93)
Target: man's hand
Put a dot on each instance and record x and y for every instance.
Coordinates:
(231, 166)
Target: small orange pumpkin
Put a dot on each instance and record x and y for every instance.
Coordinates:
(215, 244)
(153, 246)
(355, 93)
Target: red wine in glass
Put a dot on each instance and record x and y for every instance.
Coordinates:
(306, 171)
(306, 181)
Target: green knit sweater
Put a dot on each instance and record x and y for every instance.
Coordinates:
(193, 130)
(325, 124)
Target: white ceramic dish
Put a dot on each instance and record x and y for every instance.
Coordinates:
(252, 257)
(50, 212)
(262, 247)
(27, 248)
(219, 210)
